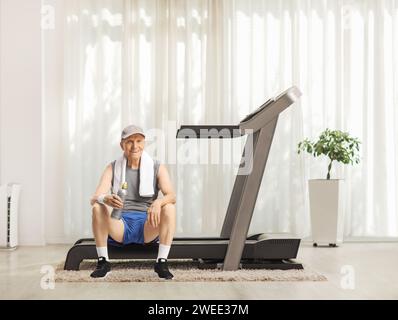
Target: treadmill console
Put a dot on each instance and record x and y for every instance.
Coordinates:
(255, 112)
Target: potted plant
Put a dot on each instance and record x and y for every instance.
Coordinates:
(326, 195)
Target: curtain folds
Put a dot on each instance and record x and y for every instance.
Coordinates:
(164, 63)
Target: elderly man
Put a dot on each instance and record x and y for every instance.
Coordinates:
(144, 219)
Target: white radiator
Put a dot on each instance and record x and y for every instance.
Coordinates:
(9, 201)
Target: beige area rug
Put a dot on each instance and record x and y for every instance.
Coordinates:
(184, 271)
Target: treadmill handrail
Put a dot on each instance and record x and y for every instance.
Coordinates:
(270, 110)
(253, 122)
(208, 132)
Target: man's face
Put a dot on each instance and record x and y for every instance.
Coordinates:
(133, 145)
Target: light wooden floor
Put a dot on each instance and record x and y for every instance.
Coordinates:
(375, 268)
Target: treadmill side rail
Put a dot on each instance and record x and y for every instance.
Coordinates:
(212, 250)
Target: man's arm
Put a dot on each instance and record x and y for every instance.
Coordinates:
(166, 187)
(169, 196)
(103, 187)
(104, 184)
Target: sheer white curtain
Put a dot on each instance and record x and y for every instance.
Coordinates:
(160, 64)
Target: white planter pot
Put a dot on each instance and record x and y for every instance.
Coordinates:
(327, 211)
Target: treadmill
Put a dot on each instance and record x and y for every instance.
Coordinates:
(234, 248)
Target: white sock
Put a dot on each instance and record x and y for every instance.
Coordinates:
(102, 252)
(163, 252)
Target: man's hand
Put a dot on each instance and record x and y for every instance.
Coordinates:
(154, 213)
(114, 201)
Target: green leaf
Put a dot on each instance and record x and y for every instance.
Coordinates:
(334, 144)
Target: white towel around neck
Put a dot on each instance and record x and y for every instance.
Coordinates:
(146, 175)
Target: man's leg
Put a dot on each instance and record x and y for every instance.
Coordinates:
(103, 225)
(167, 225)
(165, 230)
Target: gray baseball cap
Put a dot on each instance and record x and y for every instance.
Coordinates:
(130, 130)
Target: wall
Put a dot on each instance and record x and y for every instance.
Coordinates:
(21, 148)
(52, 105)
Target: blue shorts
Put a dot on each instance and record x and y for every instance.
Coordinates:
(133, 227)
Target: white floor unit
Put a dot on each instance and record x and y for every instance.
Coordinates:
(9, 201)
